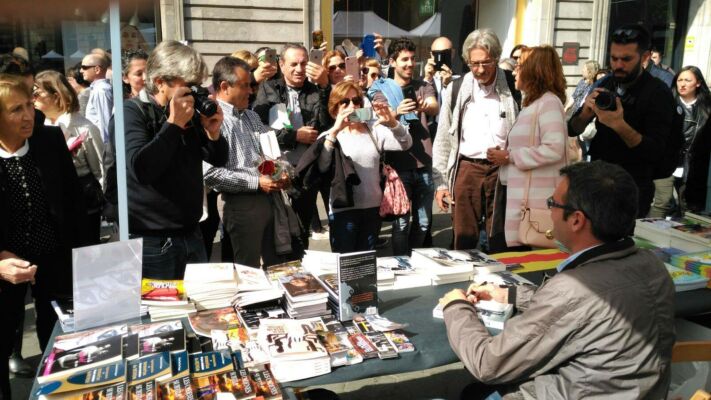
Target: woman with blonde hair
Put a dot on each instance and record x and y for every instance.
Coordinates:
(536, 144)
(54, 96)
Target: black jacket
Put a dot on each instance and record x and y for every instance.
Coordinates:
(697, 161)
(164, 170)
(312, 100)
(648, 108)
(59, 180)
(342, 174)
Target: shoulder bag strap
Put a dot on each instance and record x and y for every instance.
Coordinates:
(531, 142)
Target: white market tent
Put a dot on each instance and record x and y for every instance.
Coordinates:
(429, 28)
(361, 23)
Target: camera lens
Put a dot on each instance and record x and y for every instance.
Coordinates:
(606, 101)
(204, 105)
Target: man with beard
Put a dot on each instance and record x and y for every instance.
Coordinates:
(414, 100)
(634, 131)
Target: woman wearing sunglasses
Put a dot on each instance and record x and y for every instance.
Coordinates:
(356, 228)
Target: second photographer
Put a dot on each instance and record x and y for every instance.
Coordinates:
(171, 128)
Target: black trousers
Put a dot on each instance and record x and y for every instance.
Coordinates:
(52, 282)
(304, 206)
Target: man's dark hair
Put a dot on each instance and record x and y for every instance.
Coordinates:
(224, 70)
(129, 55)
(606, 194)
(75, 72)
(632, 34)
(13, 64)
(399, 45)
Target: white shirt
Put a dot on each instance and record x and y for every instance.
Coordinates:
(19, 153)
(100, 106)
(483, 125)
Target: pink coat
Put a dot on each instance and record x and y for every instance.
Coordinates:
(544, 159)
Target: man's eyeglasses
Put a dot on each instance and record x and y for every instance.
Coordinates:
(484, 64)
(551, 203)
(341, 66)
(85, 67)
(357, 101)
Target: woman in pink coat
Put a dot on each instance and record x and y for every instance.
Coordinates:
(537, 141)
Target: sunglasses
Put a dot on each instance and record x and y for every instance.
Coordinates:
(357, 101)
(624, 35)
(339, 66)
(83, 67)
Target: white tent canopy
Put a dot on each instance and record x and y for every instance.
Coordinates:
(361, 23)
(429, 28)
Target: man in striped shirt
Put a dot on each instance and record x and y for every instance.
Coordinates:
(248, 214)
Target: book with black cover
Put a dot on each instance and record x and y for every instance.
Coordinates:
(357, 284)
(62, 363)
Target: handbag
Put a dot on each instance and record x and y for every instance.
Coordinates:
(395, 203)
(536, 226)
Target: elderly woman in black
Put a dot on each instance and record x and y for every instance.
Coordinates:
(39, 205)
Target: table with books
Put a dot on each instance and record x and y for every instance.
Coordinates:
(223, 348)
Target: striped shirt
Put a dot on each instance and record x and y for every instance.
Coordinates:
(241, 129)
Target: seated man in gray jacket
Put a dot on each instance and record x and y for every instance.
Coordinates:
(602, 327)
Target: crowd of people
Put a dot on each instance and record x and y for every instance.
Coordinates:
(479, 144)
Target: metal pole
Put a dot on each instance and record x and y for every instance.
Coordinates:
(120, 145)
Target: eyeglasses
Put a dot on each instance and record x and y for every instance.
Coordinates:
(339, 66)
(483, 64)
(83, 67)
(550, 203)
(357, 101)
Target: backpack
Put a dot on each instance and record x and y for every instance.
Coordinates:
(673, 149)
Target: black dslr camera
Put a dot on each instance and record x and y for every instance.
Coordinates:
(204, 105)
(606, 100)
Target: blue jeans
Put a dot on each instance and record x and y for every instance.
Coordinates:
(165, 257)
(420, 190)
(354, 230)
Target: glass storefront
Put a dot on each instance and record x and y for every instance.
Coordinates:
(666, 20)
(420, 20)
(60, 39)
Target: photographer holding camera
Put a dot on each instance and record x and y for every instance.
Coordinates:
(171, 128)
(633, 112)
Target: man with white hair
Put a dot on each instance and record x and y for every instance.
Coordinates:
(101, 99)
(476, 114)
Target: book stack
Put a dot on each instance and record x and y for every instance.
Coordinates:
(491, 313)
(158, 337)
(253, 287)
(305, 296)
(165, 299)
(202, 322)
(698, 263)
(294, 349)
(211, 285)
(84, 363)
(406, 275)
(334, 337)
(213, 373)
(687, 234)
(442, 266)
(685, 280)
(319, 261)
(368, 340)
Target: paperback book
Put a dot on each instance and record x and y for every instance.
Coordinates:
(357, 284)
(154, 367)
(159, 336)
(203, 322)
(98, 376)
(63, 363)
(111, 392)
